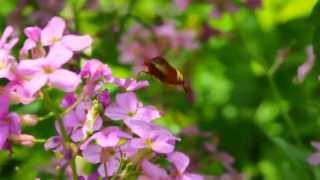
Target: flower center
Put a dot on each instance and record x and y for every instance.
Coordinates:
(131, 114)
(2, 65)
(148, 142)
(48, 69)
(55, 39)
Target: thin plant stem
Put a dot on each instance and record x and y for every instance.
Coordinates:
(66, 139)
(284, 112)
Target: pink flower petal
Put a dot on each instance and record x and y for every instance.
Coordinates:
(35, 84)
(58, 55)
(65, 80)
(153, 171)
(128, 101)
(4, 37)
(3, 135)
(53, 31)
(33, 33)
(92, 153)
(161, 145)
(147, 114)
(182, 4)
(77, 43)
(180, 161)
(115, 113)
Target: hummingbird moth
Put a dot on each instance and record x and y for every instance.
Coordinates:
(159, 68)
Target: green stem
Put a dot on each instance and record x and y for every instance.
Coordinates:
(66, 139)
(41, 141)
(284, 112)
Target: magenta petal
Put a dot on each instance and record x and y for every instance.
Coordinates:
(35, 84)
(33, 33)
(191, 176)
(7, 32)
(112, 164)
(71, 120)
(128, 101)
(92, 153)
(115, 113)
(31, 66)
(140, 128)
(180, 161)
(27, 45)
(53, 31)
(68, 100)
(14, 123)
(77, 135)
(153, 171)
(161, 145)
(98, 124)
(110, 140)
(147, 114)
(53, 143)
(3, 135)
(65, 80)
(76, 43)
(58, 55)
(4, 103)
(137, 143)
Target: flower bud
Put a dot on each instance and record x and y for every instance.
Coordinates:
(29, 119)
(23, 139)
(104, 98)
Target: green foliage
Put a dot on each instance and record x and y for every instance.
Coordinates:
(237, 98)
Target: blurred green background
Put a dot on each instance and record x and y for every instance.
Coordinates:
(259, 116)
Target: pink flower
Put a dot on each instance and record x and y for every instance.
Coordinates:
(95, 74)
(68, 100)
(4, 43)
(48, 70)
(108, 137)
(314, 159)
(55, 144)
(108, 159)
(181, 162)
(9, 125)
(6, 60)
(104, 98)
(127, 107)
(7, 63)
(4, 102)
(130, 84)
(33, 39)
(53, 34)
(94, 70)
(306, 67)
(151, 137)
(182, 4)
(82, 121)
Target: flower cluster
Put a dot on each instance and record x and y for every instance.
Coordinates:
(140, 44)
(118, 137)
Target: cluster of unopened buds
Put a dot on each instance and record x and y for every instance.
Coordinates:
(117, 137)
